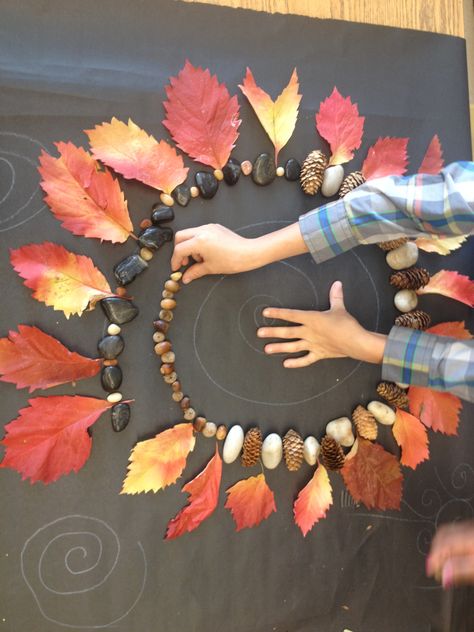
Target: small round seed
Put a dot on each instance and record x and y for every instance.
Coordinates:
(121, 291)
(246, 167)
(166, 314)
(166, 369)
(209, 429)
(162, 347)
(177, 396)
(166, 199)
(113, 398)
(280, 171)
(167, 294)
(176, 276)
(172, 286)
(185, 402)
(113, 329)
(218, 174)
(199, 423)
(169, 379)
(176, 386)
(221, 432)
(168, 357)
(168, 303)
(161, 325)
(194, 192)
(146, 253)
(158, 336)
(189, 414)
(145, 223)
(111, 362)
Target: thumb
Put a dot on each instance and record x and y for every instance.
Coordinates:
(336, 296)
(194, 272)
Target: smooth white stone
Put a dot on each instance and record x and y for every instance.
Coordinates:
(332, 180)
(272, 451)
(209, 429)
(402, 385)
(113, 398)
(311, 449)
(403, 257)
(405, 300)
(341, 430)
(113, 329)
(233, 444)
(382, 413)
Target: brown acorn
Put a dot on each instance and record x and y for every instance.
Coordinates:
(416, 319)
(252, 447)
(411, 279)
(350, 182)
(312, 172)
(365, 423)
(393, 394)
(392, 243)
(293, 450)
(332, 455)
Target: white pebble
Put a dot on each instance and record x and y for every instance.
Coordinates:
(382, 413)
(272, 451)
(209, 429)
(233, 444)
(113, 329)
(403, 257)
(280, 172)
(311, 449)
(405, 300)
(332, 180)
(341, 430)
(113, 398)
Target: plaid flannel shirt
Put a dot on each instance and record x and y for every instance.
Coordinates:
(396, 206)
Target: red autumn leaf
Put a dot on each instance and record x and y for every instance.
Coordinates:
(451, 284)
(203, 493)
(454, 329)
(59, 278)
(313, 500)
(373, 477)
(438, 411)
(49, 438)
(386, 157)
(440, 245)
(411, 436)
(137, 155)
(87, 201)
(433, 160)
(202, 117)
(32, 358)
(158, 462)
(250, 501)
(339, 123)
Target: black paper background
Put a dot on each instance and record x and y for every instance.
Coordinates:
(76, 554)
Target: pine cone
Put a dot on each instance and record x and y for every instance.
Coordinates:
(393, 394)
(332, 455)
(417, 319)
(411, 279)
(252, 447)
(365, 423)
(312, 172)
(293, 450)
(392, 244)
(350, 182)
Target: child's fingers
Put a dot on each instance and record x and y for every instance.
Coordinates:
(297, 363)
(279, 332)
(286, 347)
(182, 251)
(291, 315)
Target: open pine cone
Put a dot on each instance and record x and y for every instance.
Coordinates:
(392, 244)
(252, 447)
(411, 279)
(365, 423)
(293, 450)
(312, 172)
(332, 455)
(393, 394)
(350, 182)
(416, 319)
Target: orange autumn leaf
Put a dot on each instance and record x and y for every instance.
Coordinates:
(60, 279)
(432, 162)
(32, 358)
(339, 123)
(203, 493)
(158, 462)
(250, 501)
(451, 284)
(440, 245)
(455, 329)
(412, 437)
(87, 201)
(202, 117)
(278, 118)
(386, 157)
(438, 411)
(373, 476)
(137, 155)
(313, 500)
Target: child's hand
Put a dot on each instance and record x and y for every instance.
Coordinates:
(452, 554)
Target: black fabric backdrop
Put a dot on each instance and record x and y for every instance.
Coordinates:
(76, 554)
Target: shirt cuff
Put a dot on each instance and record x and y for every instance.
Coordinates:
(327, 231)
(407, 356)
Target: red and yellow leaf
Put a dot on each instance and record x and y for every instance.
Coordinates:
(60, 279)
(313, 500)
(278, 118)
(432, 162)
(386, 157)
(202, 117)
(203, 493)
(440, 245)
(159, 462)
(34, 359)
(87, 201)
(412, 437)
(49, 438)
(339, 123)
(438, 411)
(454, 329)
(451, 284)
(137, 155)
(250, 501)
(373, 477)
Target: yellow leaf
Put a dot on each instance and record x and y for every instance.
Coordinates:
(441, 245)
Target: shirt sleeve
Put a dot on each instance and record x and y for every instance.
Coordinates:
(423, 359)
(391, 207)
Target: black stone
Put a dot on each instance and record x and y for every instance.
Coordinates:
(231, 171)
(126, 270)
(182, 194)
(207, 184)
(155, 236)
(264, 170)
(119, 310)
(111, 378)
(160, 214)
(120, 416)
(292, 170)
(111, 346)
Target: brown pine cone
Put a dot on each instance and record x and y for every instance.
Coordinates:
(252, 447)
(312, 172)
(350, 182)
(393, 394)
(293, 446)
(411, 279)
(392, 244)
(365, 423)
(332, 455)
(416, 319)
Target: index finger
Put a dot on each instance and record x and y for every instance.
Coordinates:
(291, 315)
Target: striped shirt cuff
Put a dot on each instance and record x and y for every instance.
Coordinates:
(407, 357)
(327, 231)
